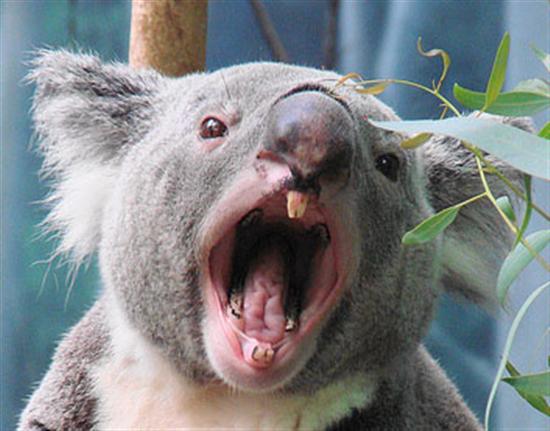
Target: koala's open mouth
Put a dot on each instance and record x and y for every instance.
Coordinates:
(272, 280)
(279, 269)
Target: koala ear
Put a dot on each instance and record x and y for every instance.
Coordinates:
(476, 244)
(86, 114)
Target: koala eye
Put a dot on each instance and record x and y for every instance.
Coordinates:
(212, 128)
(388, 164)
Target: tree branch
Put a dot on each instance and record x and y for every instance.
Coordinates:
(269, 32)
(168, 35)
(329, 60)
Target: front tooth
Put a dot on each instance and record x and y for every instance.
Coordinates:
(296, 204)
(263, 354)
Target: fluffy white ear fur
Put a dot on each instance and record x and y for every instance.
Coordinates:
(476, 244)
(77, 203)
(86, 114)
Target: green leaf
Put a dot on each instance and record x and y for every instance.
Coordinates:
(374, 89)
(431, 227)
(517, 260)
(514, 103)
(522, 150)
(545, 131)
(508, 345)
(543, 56)
(498, 73)
(535, 384)
(527, 180)
(504, 203)
(537, 86)
(434, 53)
(537, 401)
(416, 141)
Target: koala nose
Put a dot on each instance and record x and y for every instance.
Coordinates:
(313, 134)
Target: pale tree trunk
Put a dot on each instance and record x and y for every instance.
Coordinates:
(168, 35)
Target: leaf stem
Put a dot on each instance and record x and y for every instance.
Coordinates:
(491, 197)
(415, 85)
(470, 200)
(505, 180)
(512, 227)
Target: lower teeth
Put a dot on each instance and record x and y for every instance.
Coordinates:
(236, 304)
(291, 324)
(263, 354)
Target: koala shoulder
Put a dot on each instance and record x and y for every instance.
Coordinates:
(416, 397)
(64, 399)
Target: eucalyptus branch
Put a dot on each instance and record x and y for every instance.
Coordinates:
(512, 227)
(268, 30)
(329, 60)
(405, 82)
(495, 171)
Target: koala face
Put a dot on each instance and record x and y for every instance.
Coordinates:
(248, 221)
(202, 254)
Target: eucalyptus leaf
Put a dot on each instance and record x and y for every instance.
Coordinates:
(374, 89)
(504, 204)
(435, 53)
(522, 150)
(508, 345)
(537, 86)
(416, 141)
(535, 384)
(431, 227)
(498, 73)
(527, 182)
(347, 77)
(517, 260)
(545, 131)
(537, 401)
(514, 103)
(543, 56)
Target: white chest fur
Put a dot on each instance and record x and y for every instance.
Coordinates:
(138, 389)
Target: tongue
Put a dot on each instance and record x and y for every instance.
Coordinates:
(264, 288)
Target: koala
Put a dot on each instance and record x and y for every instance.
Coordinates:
(248, 227)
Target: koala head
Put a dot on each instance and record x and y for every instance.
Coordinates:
(249, 221)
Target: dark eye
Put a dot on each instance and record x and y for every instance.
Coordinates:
(388, 164)
(212, 128)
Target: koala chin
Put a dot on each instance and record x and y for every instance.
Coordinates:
(248, 224)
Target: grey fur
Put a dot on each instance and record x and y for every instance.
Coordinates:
(139, 130)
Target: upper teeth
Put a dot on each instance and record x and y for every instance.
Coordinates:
(320, 231)
(252, 218)
(296, 204)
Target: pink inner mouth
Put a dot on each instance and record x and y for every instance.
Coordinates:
(282, 294)
(264, 289)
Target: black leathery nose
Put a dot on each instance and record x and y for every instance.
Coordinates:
(313, 134)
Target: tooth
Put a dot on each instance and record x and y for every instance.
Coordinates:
(269, 353)
(321, 232)
(236, 304)
(251, 218)
(291, 324)
(263, 354)
(296, 204)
